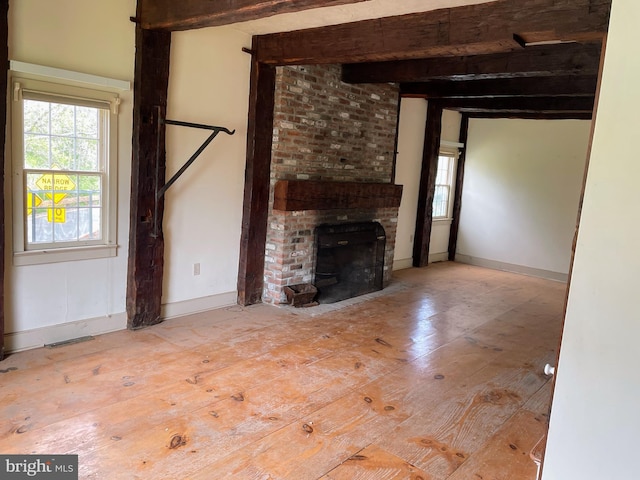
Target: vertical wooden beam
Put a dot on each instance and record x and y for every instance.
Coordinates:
(457, 198)
(256, 182)
(424, 215)
(4, 68)
(395, 141)
(146, 251)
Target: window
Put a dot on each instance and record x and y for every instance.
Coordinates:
(444, 182)
(64, 146)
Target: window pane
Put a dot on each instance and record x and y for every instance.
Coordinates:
(62, 119)
(72, 143)
(86, 155)
(87, 122)
(63, 208)
(36, 117)
(36, 222)
(36, 151)
(62, 149)
(442, 176)
(89, 207)
(441, 201)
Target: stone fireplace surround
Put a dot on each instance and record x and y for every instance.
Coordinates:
(327, 132)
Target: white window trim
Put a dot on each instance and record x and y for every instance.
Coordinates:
(22, 256)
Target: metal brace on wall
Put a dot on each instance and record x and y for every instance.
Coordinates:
(160, 191)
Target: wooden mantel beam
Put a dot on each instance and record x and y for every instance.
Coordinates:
(188, 14)
(469, 30)
(567, 85)
(524, 104)
(540, 61)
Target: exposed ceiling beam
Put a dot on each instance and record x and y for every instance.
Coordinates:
(470, 30)
(567, 59)
(503, 87)
(523, 104)
(188, 14)
(531, 115)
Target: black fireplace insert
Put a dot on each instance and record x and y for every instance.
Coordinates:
(349, 260)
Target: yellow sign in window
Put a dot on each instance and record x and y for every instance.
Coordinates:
(32, 201)
(56, 183)
(56, 215)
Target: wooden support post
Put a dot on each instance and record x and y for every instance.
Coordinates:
(427, 185)
(395, 142)
(457, 198)
(256, 182)
(146, 252)
(4, 68)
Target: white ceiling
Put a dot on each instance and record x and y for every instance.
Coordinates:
(319, 17)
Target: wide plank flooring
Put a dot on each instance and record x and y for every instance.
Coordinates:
(438, 378)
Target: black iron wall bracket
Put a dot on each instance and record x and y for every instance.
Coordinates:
(161, 190)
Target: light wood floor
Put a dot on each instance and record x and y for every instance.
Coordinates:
(440, 380)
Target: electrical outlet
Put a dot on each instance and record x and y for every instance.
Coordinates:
(411, 238)
(196, 269)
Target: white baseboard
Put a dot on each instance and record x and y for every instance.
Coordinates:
(402, 264)
(438, 257)
(38, 337)
(197, 305)
(509, 267)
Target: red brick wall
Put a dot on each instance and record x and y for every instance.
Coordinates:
(325, 130)
(328, 130)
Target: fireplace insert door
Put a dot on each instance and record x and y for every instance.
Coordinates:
(349, 261)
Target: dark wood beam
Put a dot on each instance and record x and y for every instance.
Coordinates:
(256, 183)
(4, 68)
(146, 251)
(188, 14)
(532, 115)
(457, 196)
(424, 214)
(541, 61)
(469, 30)
(503, 87)
(533, 104)
(295, 195)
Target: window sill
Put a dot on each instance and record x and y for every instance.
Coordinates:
(442, 220)
(57, 255)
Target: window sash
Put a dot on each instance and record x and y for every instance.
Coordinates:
(26, 251)
(441, 206)
(44, 201)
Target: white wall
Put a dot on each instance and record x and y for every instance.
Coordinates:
(54, 302)
(595, 417)
(413, 115)
(209, 84)
(521, 191)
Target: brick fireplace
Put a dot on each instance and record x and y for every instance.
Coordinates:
(333, 144)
